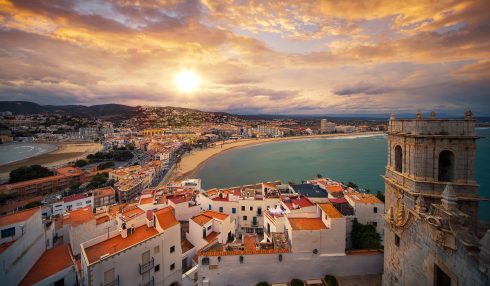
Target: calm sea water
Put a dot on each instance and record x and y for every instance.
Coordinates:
(12, 152)
(358, 159)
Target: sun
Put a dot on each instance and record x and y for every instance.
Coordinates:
(187, 81)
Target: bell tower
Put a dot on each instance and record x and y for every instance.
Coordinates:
(431, 199)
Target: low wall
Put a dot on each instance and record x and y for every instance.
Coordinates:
(267, 267)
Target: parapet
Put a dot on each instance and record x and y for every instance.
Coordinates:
(432, 126)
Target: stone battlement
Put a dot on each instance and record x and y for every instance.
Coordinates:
(433, 126)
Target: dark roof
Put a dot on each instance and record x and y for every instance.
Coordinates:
(309, 190)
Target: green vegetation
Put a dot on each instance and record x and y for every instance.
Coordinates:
(263, 283)
(319, 176)
(297, 282)
(29, 173)
(380, 196)
(98, 181)
(80, 163)
(5, 197)
(105, 165)
(352, 185)
(115, 155)
(364, 236)
(331, 280)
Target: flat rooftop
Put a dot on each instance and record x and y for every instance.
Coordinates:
(118, 243)
(18, 216)
(307, 223)
(309, 190)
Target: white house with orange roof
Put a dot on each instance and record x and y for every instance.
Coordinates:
(210, 226)
(23, 241)
(224, 201)
(368, 209)
(147, 253)
(184, 204)
(82, 225)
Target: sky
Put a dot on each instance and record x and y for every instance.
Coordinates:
(267, 57)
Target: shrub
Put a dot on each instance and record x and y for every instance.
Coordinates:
(105, 165)
(297, 282)
(80, 163)
(330, 280)
(364, 236)
(263, 283)
(29, 173)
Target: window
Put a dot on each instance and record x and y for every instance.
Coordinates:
(209, 227)
(397, 240)
(375, 210)
(172, 249)
(205, 261)
(88, 202)
(251, 208)
(259, 211)
(446, 166)
(157, 268)
(243, 208)
(210, 207)
(233, 210)
(156, 250)
(8, 232)
(172, 266)
(220, 209)
(440, 277)
(244, 217)
(398, 158)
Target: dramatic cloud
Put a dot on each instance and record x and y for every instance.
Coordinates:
(321, 57)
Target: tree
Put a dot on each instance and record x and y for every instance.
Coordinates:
(352, 185)
(364, 236)
(80, 163)
(263, 283)
(98, 181)
(105, 165)
(380, 196)
(319, 176)
(29, 173)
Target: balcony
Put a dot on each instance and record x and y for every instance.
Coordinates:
(149, 283)
(147, 266)
(112, 283)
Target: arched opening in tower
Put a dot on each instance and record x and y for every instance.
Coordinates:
(446, 166)
(398, 158)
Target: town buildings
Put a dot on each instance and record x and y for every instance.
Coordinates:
(326, 127)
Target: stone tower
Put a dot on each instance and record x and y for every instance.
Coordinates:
(432, 204)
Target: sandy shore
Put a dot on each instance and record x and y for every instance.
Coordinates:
(191, 162)
(64, 154)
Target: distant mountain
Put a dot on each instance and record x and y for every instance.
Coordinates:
(108, 111)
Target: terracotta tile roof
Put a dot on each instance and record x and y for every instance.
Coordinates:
(178, 199)
(212, 236)
(79, 216)
(201, 219)
(364, 198)
(242, 252)
(118, 243)
(145, 201)
(249, 242)
(102, 219)
(216, 215)
(32, 182)
(104, 192)
(75, 197)
(166, 217)
(212, 192)
(300, 201)
(330, 210)
(307, 223)
(18, 216)
(51, 262)
(334, 188)
(130, 213)
(69, 171)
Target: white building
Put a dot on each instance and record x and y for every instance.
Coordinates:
(26, 253)
(73, 202)
(209, 227)
(368, 209)
(146, 253)
(327, 127)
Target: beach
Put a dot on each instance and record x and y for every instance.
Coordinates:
(193, 161)
(63, 154)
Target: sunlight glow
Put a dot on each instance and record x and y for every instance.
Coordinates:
(187, 81)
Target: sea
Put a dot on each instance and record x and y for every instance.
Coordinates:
(359, 159)
(12, 152)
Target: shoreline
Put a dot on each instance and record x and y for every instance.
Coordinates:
(192, 162)
(64, 153)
